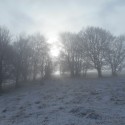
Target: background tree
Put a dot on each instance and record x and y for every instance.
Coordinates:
(4, 51)
(37, 43)
(22, 60)
(115, 54)
(41, 61)
(86, 62)
(72, 52)
(63, 63)
(96, 41)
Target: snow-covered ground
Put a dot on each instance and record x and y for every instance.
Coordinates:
(66, 102)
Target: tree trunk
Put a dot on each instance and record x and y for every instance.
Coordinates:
(17, 79)
(84, 73)
(34, 70)
(25, 78)
(1, 83)
(72, 73)
(99, 72)
(114, 73)
(34, 74)
(42, 72)
(1, 75)
(25, 74)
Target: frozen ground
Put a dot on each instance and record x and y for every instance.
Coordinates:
(66, 102)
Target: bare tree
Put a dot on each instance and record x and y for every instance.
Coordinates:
(96, 41)
(86, 63)
(4, 44)
(72, 51)
(41, 62)
(31, 57)
(37, 44)
(115, 54)
(48, 67)
(63, 63)
(22, 58)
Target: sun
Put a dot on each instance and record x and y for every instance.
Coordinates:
(54, 46)
(54, 51)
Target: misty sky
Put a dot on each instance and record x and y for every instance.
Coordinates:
(51, 17)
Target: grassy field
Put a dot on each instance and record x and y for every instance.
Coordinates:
(65, 101)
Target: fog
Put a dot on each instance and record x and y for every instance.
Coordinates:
(51, 17)
(62, 62)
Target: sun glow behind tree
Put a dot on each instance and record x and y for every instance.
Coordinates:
(55, 46)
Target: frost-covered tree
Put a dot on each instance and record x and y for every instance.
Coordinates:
(41, 62)
(22, 58)
(72, 52)
(96, 41)
(115, 54)
(4, 52)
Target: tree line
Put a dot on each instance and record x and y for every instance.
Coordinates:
(24, 58)
(92, 48)
(28, 58)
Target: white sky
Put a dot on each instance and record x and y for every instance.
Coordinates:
(51, 17)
